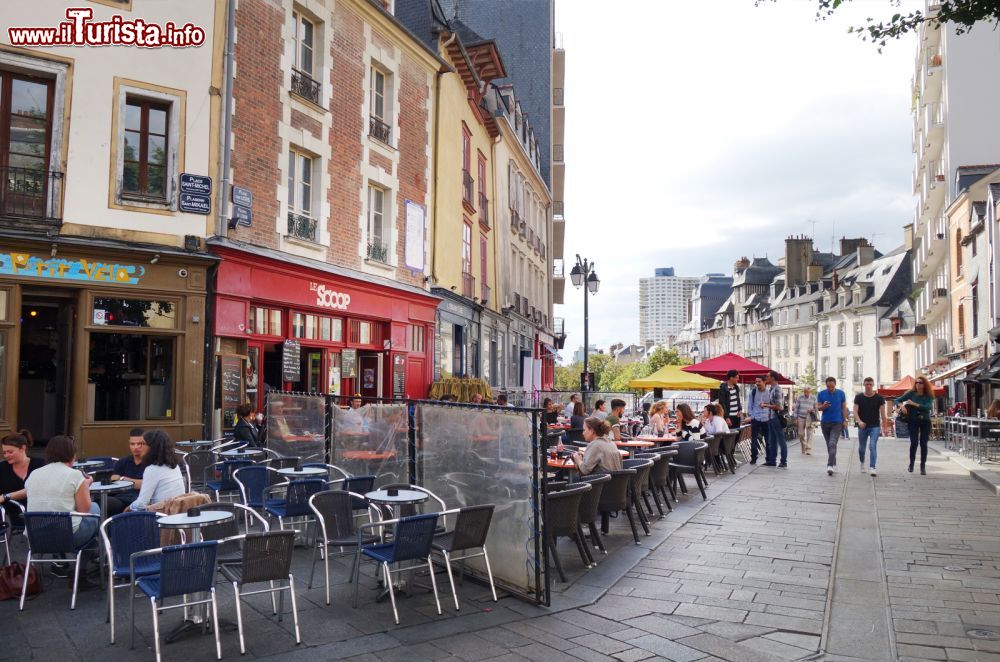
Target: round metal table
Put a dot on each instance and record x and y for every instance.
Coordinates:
(243, 452)
(303, 472)
(104, 489)
(88, 465)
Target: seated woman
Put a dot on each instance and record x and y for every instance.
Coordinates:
(58, 487)
(601, 455)
(162, 478)
(245, 430)
(14, 471)
(575, 433)
(713, 423)
(658, 418)
(688, 427)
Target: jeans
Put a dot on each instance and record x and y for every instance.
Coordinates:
(776, 441)
(920, 431)
(87, 529)
(758, 437)
(832, 432)
(868, 437)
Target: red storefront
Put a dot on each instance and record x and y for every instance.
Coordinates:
(308, 326)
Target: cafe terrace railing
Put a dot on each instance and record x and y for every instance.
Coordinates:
(466, 454)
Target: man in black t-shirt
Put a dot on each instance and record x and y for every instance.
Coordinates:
(130, 467)
(729, 399)
(869, 412)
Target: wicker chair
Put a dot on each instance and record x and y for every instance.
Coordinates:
(226, 532)
(728, 450)
(226, 483)
(639, 485)
(590, 510)
(334, 511)
(659, 477)
(616, 497)
(562, 518)
(713, 452)
(267, 557)
(123, 535)
(691, 460)
(472, 526)
(51, 534)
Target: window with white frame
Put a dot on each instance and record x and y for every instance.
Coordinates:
(378, 244)
(301, 219)
(379, 111)
(150, 131)
(842, 369)
(841, 334)
(857, 333)
(858, 370)
(825, 368)
(826, 335)
(305, 81)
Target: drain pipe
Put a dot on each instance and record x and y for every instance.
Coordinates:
(437, 121)
(222, 225)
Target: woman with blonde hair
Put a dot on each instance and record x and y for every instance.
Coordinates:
(916, 405)
(658, 418)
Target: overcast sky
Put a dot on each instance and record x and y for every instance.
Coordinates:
(698, 131)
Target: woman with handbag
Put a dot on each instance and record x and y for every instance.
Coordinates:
(916, 406)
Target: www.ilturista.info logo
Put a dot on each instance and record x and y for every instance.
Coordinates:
(81, 30)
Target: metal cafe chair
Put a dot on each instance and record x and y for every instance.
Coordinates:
(123, 535)
(472, 526)
(334, 511)
(51, 534)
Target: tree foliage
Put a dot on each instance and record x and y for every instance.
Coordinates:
(962, 14)
(612, 376)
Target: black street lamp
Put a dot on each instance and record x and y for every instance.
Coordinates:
(584, 271)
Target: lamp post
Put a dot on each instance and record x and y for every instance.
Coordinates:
(583, 272)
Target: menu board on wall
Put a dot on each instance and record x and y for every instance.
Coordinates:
(291, 356)
(349, 363)
(231, 388)
(399, 376)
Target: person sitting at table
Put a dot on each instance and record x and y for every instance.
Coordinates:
(571, 405)
(550, 412)
(15, 469)
(614, 418)
(477, 399)
(600, 410)
(353, 420)
(162, 478)
(575, 432)
(58, 487)
(601, 455)
(245, 431)
(713, 422)
(658, 418)
(688, 427)
(130, 468)
(502, 401)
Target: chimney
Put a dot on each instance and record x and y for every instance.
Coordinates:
(848, 246)
(741, 265)
(798, 255)
(836, 279)
(814, 272)
(865, 255)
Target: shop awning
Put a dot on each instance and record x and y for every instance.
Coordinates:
(717, 367)
(673, 378)
(902, 386)
(550, 352)
(954, 371)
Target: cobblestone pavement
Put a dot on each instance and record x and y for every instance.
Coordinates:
(779, 564)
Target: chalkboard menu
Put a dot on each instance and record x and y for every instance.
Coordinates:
(348, 363)
(231, 388)
(399, 376)
(291, 370)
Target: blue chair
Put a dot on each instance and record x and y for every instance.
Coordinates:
(254, 482)
(296, 499)
(184, 571)
(330, 468)
(124, 535)
(51, 533)
(226, 482)
(411, 541)
(358, 485)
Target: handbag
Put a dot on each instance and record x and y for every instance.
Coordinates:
(12, 581)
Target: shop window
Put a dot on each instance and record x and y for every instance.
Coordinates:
(131, 377)
(317, 327)
(265, 321)
(144, 170)
(417, 339)
(139, 313)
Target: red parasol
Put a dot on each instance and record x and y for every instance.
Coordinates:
(902, 386)
(717, 368)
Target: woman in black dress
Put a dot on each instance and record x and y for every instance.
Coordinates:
(14, 470)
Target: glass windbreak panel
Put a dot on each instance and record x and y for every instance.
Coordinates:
(296, 425)
(130, 377)
(372, 441)
(139, 313)
(485, 457)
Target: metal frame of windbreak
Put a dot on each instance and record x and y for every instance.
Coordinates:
(542, 594)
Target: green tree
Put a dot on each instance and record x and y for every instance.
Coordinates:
(661, 356)
(809, 379)
(963, 14)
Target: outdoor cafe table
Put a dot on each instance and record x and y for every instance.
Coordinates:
(242, 453)
(195, 524)
(88, 465)
(303, 472)
(666, 439)
(103, 489)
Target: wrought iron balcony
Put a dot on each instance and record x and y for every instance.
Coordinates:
(379, 130)
(30, 193)
(378, 252)
(301, 227)
(467, 188)
(305, 86)
(484, 210)
(485, 292)
(468, 285)
(558, 325)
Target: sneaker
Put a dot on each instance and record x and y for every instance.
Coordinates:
(61, 570)
(873, 472)
(783, 465)
(863, 468)
(753, 460)
(829, 470)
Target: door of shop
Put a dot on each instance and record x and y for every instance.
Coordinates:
(369, 377)
(43, 380)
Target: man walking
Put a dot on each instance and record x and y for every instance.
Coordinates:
(759, 416)
(805, 414)
(729, 399)
(869, 412)
(775, 430)
(833, 403)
